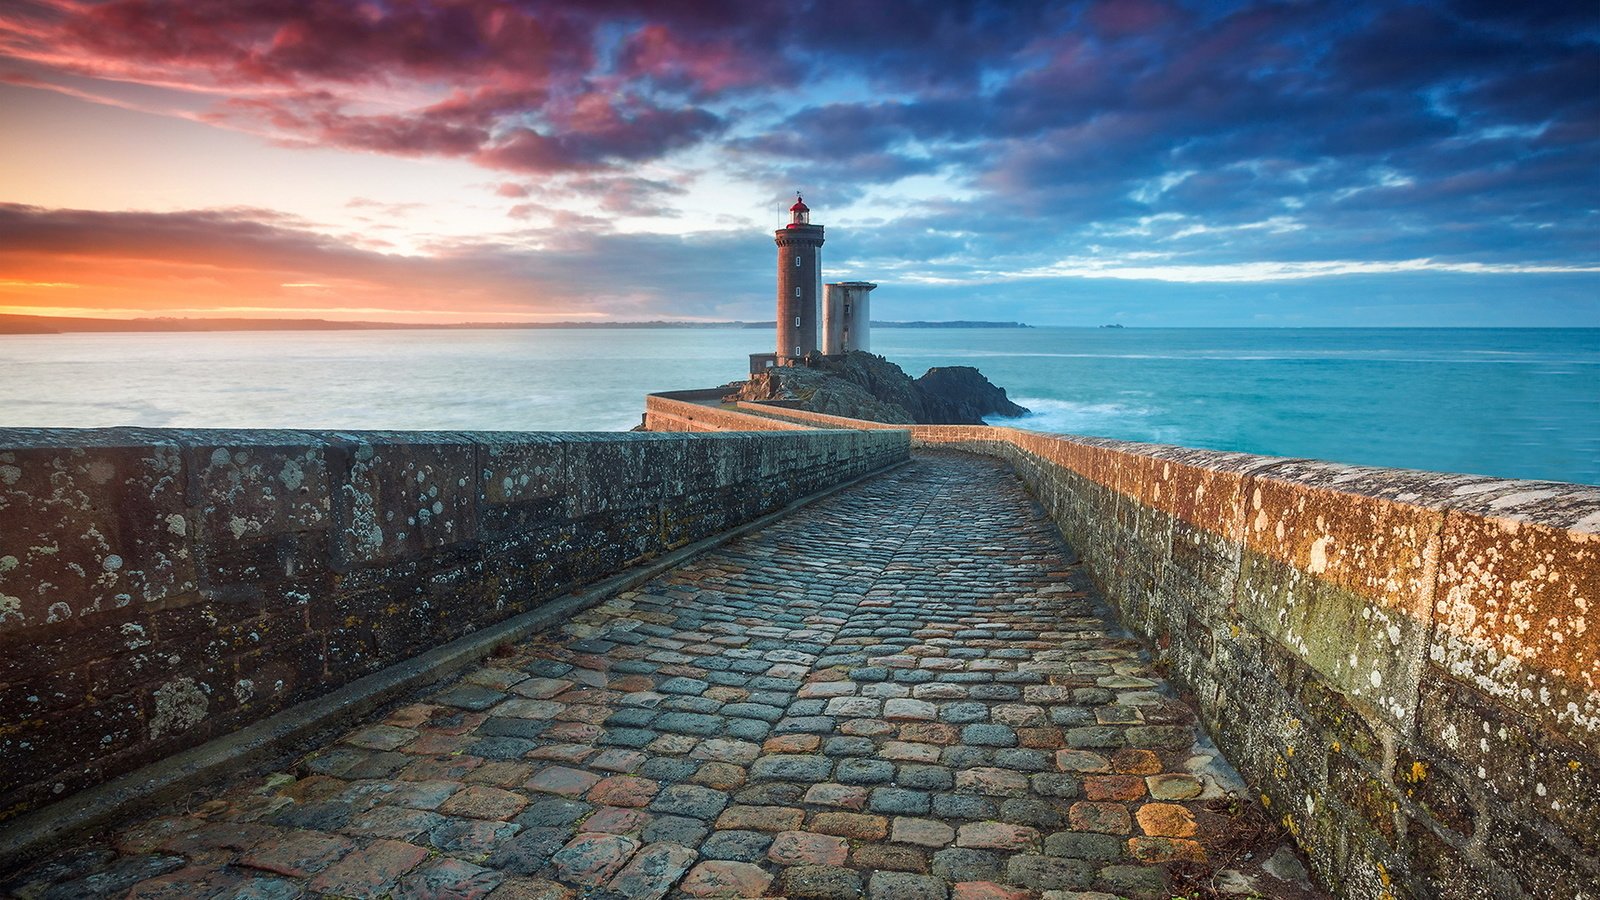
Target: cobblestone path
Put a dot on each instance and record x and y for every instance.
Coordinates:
(904, 692)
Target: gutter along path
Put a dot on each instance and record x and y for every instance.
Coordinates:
(905, 691)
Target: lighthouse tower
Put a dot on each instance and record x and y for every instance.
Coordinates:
(799, 284)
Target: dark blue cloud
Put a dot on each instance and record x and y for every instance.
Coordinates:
(1385, 131)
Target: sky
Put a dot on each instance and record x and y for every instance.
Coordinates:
(1135, 161)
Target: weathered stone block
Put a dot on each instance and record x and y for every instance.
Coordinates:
(1433, 786)
(274, 677)
(1345, 725)
(1201, 570)
(370, 628)
(1541, 865)
(44, 693)
(254, 570)
(516, 468)
(259, 484)
(1516, 618)
(1341, 524)
(26, 655)
(1365, 794)
(58, 744)
(1511, 762)
(89, 523)
(608, 476)
(1370, 652)
(400, 496)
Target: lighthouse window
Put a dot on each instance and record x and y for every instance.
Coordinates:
(847, 309)
(797, 321)
(797, 260)
(797, 290)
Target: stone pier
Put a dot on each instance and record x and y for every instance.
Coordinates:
(909, 690)
(776, 654)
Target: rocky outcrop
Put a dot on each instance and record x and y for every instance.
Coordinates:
(864, 386)
(820, 392)
(881, 379)
(959, 395)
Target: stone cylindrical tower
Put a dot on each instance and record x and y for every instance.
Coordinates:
(799, 284)
(846, 320)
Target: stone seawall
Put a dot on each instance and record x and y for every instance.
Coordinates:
(1405, 664)
(677, 411)
(159, 588)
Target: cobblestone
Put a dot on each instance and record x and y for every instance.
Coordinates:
(372, 870)
(676, 830)
(813, 882)
(690, 800)
(907, 691)
(590, 859)
(726, 879)
(741, 846)
(794, 848)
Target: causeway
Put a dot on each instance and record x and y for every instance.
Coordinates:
(907, 691)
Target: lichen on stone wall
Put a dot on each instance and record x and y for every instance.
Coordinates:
(177, 706)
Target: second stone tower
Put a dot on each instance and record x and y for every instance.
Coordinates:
(799, 284)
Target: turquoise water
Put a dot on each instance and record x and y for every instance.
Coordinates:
(1516, 403)
(1521, 403)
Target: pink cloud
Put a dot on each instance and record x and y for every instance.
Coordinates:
(300, 41)
(703, 66)
(497, 83)
(598, 132)
(1124, 18)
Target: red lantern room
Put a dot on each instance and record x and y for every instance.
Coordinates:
(799, 213)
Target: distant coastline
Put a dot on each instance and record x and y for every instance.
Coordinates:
(11, 324)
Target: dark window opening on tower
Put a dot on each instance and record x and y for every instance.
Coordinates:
(797, 290)
(797, 260)
(797, 321)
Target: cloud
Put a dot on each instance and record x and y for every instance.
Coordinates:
(627, 196)
(320, 40)
(698, 66)
(1413, 46)
(190, 259)
(599, 133)
(506, 86)
(1251, 273)
(1246, 140)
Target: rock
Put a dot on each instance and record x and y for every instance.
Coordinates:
(1284, 865)
(820, 392)
(883, 380)
(863, 386)
(960, 395)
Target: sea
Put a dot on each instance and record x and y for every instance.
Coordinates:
(1513, 403)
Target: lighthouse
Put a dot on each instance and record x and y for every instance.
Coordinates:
(845, 320)
(799, 284)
